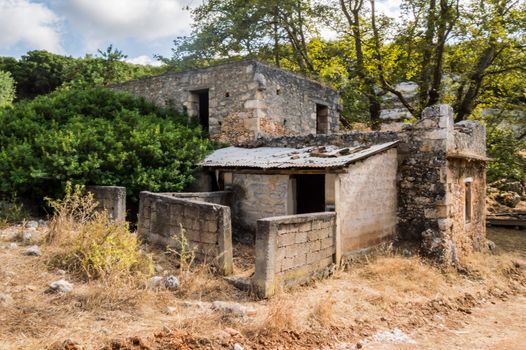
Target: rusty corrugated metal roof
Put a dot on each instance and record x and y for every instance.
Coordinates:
(286, 158)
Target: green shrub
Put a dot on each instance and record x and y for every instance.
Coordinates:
(7, 89)
(96, 136)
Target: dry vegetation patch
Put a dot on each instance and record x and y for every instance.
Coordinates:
(377, 293)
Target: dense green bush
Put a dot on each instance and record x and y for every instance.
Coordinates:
(95, 136)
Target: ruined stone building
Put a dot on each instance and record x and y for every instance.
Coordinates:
(240, 101)
(305, 193)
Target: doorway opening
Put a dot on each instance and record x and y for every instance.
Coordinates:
(201, 101)
(310, 193)
(322, 119)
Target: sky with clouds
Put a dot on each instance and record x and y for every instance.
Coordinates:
(140, 28)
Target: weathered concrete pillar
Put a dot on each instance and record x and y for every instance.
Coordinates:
(110, 198)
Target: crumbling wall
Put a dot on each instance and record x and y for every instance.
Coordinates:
(349, 139)
(247, 99)
(467, 234)
(293, 249)
(436, 157)
(289, 103)
(257, 196)
(207, 226)
(366, 202)
(110, 198)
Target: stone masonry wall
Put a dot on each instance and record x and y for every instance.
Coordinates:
(257, 196)
(246, 99)
(366, 202)
(207, 225)
(110, 198)
(466, 235)
(432, 168)
(293, 249)
(289, 103)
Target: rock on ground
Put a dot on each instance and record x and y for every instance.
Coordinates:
(34, 250)
(154, 282)
(5, 299)
(232, 308)
(171, 282)
(32, 224)
(60, 286)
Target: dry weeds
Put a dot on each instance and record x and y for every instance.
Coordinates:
(401, 291)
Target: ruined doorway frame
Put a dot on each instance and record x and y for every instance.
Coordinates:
(201, 107)
(322, 119)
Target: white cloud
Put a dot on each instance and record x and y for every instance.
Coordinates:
(30, 24)
(144, 60)
(102, 21)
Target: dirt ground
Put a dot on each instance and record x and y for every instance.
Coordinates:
(384, 302)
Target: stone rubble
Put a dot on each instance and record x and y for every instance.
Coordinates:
(33, 250)
(60, 286)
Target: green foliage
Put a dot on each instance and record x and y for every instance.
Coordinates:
(505, 150)
(89, 244)
(7, 89)
(95, 136)
(40, 72)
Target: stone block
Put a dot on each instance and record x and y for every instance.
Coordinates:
(286, 239)
(301, 237)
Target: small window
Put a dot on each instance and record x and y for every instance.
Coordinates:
(227, 94)
(322, 119)
(468, 205)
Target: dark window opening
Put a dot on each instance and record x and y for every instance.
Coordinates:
(467, 203)
(227, 94)
(278, 91)
(310, 193)
(202, 102)
(322, 119)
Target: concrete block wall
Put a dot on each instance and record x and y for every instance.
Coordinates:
(110, 198)
(217, 197)
(257, 196)
(366, 201)
(293, 249)
(207, 226)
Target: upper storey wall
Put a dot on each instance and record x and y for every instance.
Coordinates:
(246, 100)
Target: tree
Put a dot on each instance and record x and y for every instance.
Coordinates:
(7, 89)
(273, 30)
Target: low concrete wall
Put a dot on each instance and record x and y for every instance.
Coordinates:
(110, 198)
(207, 225)
(293, 249)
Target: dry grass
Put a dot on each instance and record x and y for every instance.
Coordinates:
(324, 311)
(91, 246)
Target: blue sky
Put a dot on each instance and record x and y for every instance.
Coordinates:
(140, 28)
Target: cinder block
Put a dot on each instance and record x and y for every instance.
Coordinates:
(301, 237)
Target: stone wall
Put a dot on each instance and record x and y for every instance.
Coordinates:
(292, 250)
(110, 198)
(436, 158)
(207, 226)
(366, 202)
(349, 139)
(247, 99)
(257, 196)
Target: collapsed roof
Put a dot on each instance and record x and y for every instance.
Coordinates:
(291, 158)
